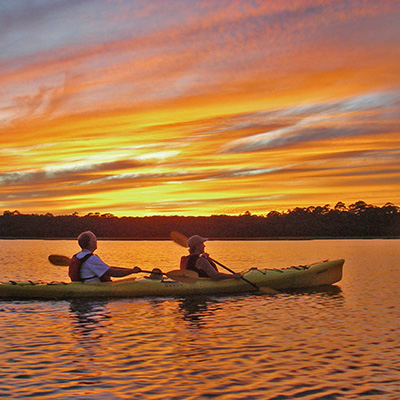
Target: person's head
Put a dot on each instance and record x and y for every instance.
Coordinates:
(87, 240)
(196, 244)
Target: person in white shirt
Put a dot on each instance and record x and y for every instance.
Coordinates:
(93, 269)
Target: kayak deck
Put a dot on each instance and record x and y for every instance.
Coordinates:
(317, 274)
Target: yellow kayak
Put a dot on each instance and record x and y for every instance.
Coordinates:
(302, 276)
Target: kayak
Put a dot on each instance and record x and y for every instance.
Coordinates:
(294, 277)
(303, 276)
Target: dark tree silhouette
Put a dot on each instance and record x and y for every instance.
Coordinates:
(357, 220)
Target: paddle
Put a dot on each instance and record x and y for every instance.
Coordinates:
(56, 259)
(177, 275)
(181, 239)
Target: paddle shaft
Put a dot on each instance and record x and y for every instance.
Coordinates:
(233, 272)
(177, 275)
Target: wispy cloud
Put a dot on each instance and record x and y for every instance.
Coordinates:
(138, 107)
(362, 115)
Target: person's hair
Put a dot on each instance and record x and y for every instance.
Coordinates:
(84, 239)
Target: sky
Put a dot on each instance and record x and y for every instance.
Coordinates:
(201, 107)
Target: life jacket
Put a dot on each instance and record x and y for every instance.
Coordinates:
(184, 261)
(191, 265)
(74, 270)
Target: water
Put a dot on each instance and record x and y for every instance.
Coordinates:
(341, 343)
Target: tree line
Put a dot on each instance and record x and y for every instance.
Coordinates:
(356, 220)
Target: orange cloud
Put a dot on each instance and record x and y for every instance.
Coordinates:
(195, 111)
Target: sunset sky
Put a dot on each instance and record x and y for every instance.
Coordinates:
(201, 107)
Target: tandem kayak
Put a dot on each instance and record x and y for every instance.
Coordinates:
(303, 276)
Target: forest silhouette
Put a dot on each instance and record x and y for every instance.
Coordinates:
(357, 220)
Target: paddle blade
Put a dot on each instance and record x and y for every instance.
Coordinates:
(56, 259)
(183, 276)
(179, 238)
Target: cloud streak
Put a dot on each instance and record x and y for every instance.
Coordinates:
(370, 114)
(137, 108)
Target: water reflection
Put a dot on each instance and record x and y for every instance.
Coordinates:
(91, 317)
(328, 290)
(326, 296)
(194, 309)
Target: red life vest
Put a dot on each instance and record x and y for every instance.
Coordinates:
(74, 270)
(184, 261)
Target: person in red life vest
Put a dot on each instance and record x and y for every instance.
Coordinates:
(93, 269)
(198, 261)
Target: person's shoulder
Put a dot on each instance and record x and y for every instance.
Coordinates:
(202, 261)
(88, 256)
(94, 257)
(96, 260)
(82, 253)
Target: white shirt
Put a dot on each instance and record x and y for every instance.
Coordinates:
(93, 268)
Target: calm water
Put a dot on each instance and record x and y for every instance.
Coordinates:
(341, 343)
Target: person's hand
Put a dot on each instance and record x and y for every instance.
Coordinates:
(136, 270)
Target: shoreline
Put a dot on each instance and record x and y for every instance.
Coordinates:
(218, 239)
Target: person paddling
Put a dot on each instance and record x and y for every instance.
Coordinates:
(93, 269)
(198, 261)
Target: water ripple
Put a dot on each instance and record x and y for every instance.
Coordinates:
(330, 343)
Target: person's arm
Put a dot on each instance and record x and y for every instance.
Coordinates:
(119, 272)
(204, 264)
